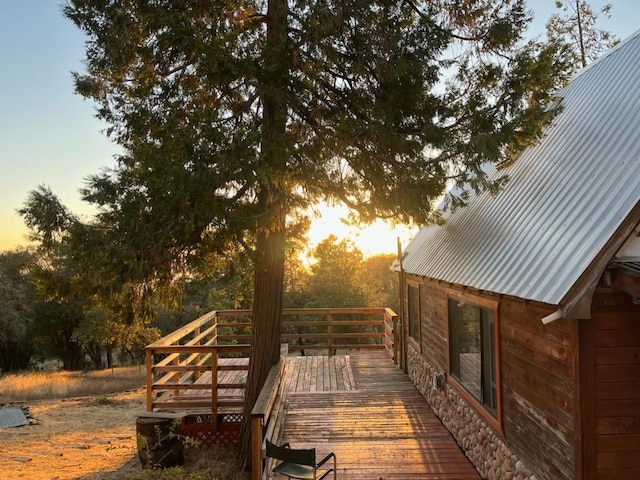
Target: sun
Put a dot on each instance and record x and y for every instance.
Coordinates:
(378, 238)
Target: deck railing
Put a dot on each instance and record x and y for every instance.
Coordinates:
(201, 367)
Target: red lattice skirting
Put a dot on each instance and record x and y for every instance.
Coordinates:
(200, 429)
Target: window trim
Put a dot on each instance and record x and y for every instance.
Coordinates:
(495, 421)
(415, 342)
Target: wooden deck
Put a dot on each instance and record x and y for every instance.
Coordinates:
(371, 417)
(364, 409)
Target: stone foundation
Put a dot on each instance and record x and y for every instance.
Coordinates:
(491, 457)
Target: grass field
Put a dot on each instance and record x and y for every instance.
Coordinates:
(29, 386)
(87, 428)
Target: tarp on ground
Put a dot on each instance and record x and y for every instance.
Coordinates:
(12, 417)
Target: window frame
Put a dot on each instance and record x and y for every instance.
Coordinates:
(417, 340)
(494, 419)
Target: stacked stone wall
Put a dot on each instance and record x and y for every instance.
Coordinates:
(484, 448)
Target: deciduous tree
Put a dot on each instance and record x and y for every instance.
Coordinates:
(16, 298)
(378, 282)
(234, 115)
(83, 305)
(335, 272)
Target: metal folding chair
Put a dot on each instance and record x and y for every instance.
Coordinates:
(299, 463)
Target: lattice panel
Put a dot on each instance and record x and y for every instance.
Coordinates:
(230, 418)
(202, 430)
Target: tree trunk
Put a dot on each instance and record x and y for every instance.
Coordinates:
(583, 56)
(94, 350)
(70, 352)
(267, 314)
(109, 351)
(14, 356)
(272, 199)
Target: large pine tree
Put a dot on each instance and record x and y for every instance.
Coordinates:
(234, 115)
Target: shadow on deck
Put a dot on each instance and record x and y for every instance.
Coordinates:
(375, 420)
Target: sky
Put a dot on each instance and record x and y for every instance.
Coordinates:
(50, 136)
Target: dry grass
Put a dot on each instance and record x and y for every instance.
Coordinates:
(30, 386)
(216, 463)
(84, 416)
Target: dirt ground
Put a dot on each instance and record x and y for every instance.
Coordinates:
(79, 438)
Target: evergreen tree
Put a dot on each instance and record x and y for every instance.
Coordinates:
(577, 27)
(234, 115)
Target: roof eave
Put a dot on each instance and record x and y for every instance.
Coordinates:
(577, 301)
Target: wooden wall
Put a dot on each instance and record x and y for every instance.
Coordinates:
(538, 387)
(611, 343)
(434, 326)
(538, 367)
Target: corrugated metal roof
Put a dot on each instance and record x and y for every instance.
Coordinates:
(565, 198)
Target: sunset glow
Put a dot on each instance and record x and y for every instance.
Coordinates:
(379, 237)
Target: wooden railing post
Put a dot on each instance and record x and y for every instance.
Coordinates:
(176, 376)
(149, 365)
(214, 324)
(196, 373)
(214, 387)
(396, 341)
(330, 333)
(395, 336)
(256, 447)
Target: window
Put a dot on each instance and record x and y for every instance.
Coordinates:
(473, 357)
(413, 309)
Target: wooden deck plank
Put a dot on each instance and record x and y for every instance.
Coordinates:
(383, 430)
(291, 375)
(340, 366)
(350, 377)
(326, 375)
(333, 384)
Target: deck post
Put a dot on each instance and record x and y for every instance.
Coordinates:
(215, 324)
(196, 373)
(396, 340)
(330, 334)
(149, 365)
(256, 448)
(214, 387)
(176, 375)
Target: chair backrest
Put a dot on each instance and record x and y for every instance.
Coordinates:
(301, 456)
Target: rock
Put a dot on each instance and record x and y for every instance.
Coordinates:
(20, 459)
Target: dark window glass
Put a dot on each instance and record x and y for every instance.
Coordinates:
(413, 294)
(472, 355)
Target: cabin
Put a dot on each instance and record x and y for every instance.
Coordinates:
(521, 313)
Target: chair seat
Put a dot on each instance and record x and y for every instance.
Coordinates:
(293, 470)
